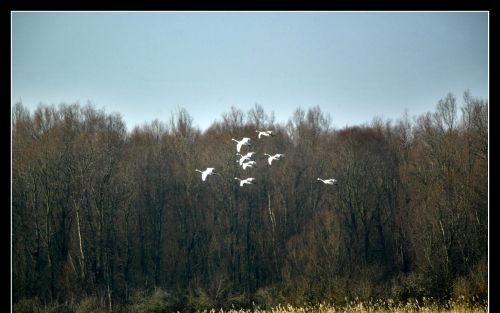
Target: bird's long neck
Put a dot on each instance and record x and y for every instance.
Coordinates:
(234, 140)
(198, 170)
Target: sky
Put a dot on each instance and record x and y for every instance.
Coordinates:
(146, 65)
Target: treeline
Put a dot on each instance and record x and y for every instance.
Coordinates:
(101, 213)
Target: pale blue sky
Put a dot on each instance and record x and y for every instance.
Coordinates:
(144, 65)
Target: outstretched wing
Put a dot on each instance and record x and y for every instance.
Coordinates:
(242, 159)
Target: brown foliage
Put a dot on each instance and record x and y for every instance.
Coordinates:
(98, 212)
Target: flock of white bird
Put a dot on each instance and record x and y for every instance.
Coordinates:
(246, 161)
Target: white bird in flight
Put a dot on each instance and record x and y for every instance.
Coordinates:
(265, 133)
(245, 141)
(249, 164)
(270, 158)
(245, 157)
(329, 181)
(249, 181)
(205, 173)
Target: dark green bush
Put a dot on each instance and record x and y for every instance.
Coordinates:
(27, 306)
(158, 302)
(268, 297)
(198, 300)
(407, 286)
(89, 305)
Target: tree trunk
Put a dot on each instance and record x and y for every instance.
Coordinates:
(80, 241)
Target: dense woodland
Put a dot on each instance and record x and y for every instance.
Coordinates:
(102, 213)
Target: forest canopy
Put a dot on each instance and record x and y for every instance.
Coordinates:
(99, 212)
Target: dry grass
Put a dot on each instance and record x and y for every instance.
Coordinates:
(379, 306)
(372, 307)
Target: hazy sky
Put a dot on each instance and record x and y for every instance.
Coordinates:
(144, 65)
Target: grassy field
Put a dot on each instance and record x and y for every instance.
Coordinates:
(377, 307)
